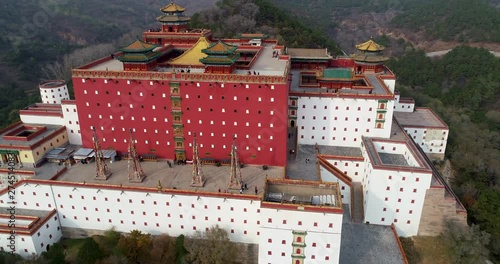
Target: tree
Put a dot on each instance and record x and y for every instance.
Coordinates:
(55, 254)
(113, 259)
(211, 247)
(163, 249)
(110, 241)
(90, 252)
(7, 258)
(180, 250)
(466, 244)
(136, 246)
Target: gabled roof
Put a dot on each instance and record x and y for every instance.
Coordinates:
(138, 46)
(193, 55)
(172, 7)
(220, 60)
(370, 45)
(220, 48)
(138, 57)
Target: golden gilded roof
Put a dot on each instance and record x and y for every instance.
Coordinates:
(193, 55)
(370, 45)
(173, 7)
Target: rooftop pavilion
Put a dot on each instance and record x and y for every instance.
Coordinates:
(303, 193)
(421, 117)
(177, 177)
(264, 63)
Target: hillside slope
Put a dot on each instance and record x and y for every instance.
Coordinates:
(429, 25)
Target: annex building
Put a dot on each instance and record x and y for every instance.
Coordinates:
(179, 131)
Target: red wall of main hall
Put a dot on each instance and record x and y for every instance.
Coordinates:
(105, 117)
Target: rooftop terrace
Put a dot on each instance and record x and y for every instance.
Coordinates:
(177, 177)
(421, 117)
(373, 85)
(303, 193)
(20, 134)
(264, 64)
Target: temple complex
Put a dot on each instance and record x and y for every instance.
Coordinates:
(283, 148)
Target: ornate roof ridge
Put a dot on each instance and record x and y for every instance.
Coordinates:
(370, 45)
(172, 7)
(138, 46)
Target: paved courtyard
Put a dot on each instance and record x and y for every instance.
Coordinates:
(367, 244)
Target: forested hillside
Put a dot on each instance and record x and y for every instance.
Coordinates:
(464, 88)
(37, 37)
(230, 17)
(418, 22)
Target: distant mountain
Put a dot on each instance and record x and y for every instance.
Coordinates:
(428, 24)
(34, 33)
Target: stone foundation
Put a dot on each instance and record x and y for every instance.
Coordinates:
(436, 210)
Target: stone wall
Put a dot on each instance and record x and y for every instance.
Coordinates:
(437, 209)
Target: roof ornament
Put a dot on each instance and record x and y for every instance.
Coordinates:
(135, 174)
(102, 171)
(235, 180)
(198, 180)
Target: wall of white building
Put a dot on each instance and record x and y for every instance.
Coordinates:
(42, 120)
(396, 148)
(391, 84)
(175, 214)
(340, 121)
(322, 239)
(395, 197)
(54, 95)
(403, 105)
(345, 190)
(70, 116)
(353, 168)
(26, 245)
(430, 140)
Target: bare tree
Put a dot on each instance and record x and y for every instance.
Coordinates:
(211, 247)
(163, 249)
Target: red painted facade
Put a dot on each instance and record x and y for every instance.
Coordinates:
(151, 117)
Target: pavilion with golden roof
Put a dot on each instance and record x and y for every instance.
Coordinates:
(369, 57)
(174, 28)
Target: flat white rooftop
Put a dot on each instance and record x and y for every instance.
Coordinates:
(421, 117)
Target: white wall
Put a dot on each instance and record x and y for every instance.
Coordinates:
(403, 105)
(42, 120)
(54, 95)
(345, 190)
(405, 192)
(430, 140)
(48, 234)
(90, 208)
(391, 83)
(348, 132)
(70, 115)
(352, 168)
(396, 148)
(325, 238)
